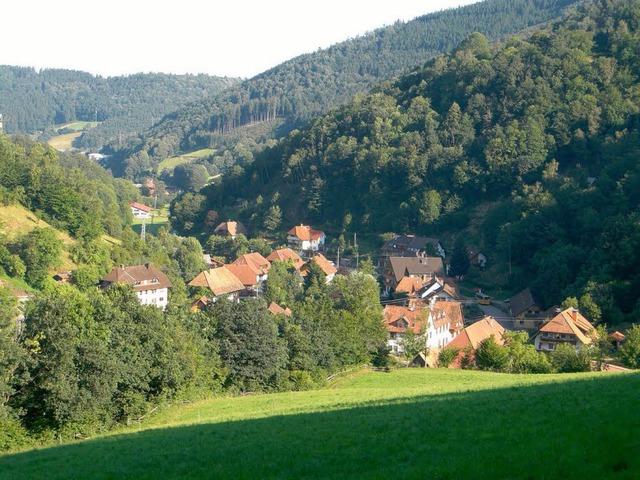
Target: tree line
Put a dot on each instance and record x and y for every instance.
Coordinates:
(85, 362)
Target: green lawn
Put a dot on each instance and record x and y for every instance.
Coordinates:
(160, 218)
(77, 126)
(417, 423)
(185, 158)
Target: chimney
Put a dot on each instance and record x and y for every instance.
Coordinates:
(121, 266)
(574, 314)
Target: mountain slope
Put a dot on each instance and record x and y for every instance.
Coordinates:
(545, 131)
(300, 89)
(33, 100)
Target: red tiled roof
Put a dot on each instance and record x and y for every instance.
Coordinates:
(230, 228)
(305, 232)
(284, 255)
(244, 273)
(256, 262)
(477, 332)
(327, 267)
(140, 206)
(617, 336)
(142, 277)
(409, 285)
(569, 321)
(278, 310)
(413, 317)
(220, 281)
(452, 314)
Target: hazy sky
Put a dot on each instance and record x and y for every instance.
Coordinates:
(232, 37)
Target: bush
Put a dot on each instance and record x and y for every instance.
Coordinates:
(446, 356)
(566, 359)
(12, 434)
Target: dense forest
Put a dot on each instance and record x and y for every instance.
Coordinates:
(296, 91)
(34, 101)
(529, 148)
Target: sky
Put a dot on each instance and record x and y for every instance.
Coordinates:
(234, 38)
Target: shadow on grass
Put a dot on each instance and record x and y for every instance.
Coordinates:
(585, 428)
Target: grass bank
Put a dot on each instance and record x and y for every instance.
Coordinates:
(405, 424)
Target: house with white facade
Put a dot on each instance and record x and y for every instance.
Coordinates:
(438, 322)
(303, 238)
(568, 326)
(138, 210)
(150, 283)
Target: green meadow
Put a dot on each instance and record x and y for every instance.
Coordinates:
(412, 423)
(173, 162)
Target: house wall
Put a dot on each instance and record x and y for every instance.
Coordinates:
(158, 297)
(547, 342)
(137, 213)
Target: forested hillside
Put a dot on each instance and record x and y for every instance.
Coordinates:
(298, 90)
(33, 101)
(542, 134)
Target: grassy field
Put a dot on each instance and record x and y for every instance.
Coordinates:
(65, 141)
(159, 218)
(405, 424)
(16, 221)
(77, 126)
(172, 162)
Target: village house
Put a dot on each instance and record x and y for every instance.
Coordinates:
(286, 255)
(199, 304)
(438, 322)
(253, 270)
(469, 338)
(476, 257)
(63, 278)
(526, 311)
(415, 287)
(398, 319)
(140, 211)
(425, 268)
(304, 239)
(326, 266)
(411, 246)
(150, 283)
(221, 282)
(230, 229)
(568, 326)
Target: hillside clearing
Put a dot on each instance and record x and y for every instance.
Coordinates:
(416, 423)
(173, 162)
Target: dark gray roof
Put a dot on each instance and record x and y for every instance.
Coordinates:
(416, 266)
(522, 301)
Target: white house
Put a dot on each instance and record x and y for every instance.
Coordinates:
(439, 322)
(150, 284)
(138, 210)
(304, 238)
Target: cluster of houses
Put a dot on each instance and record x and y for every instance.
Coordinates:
(423, 300)
(242, 278)
(426, 302)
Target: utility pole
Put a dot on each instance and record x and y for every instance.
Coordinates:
(143, 230)
(338, 260)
